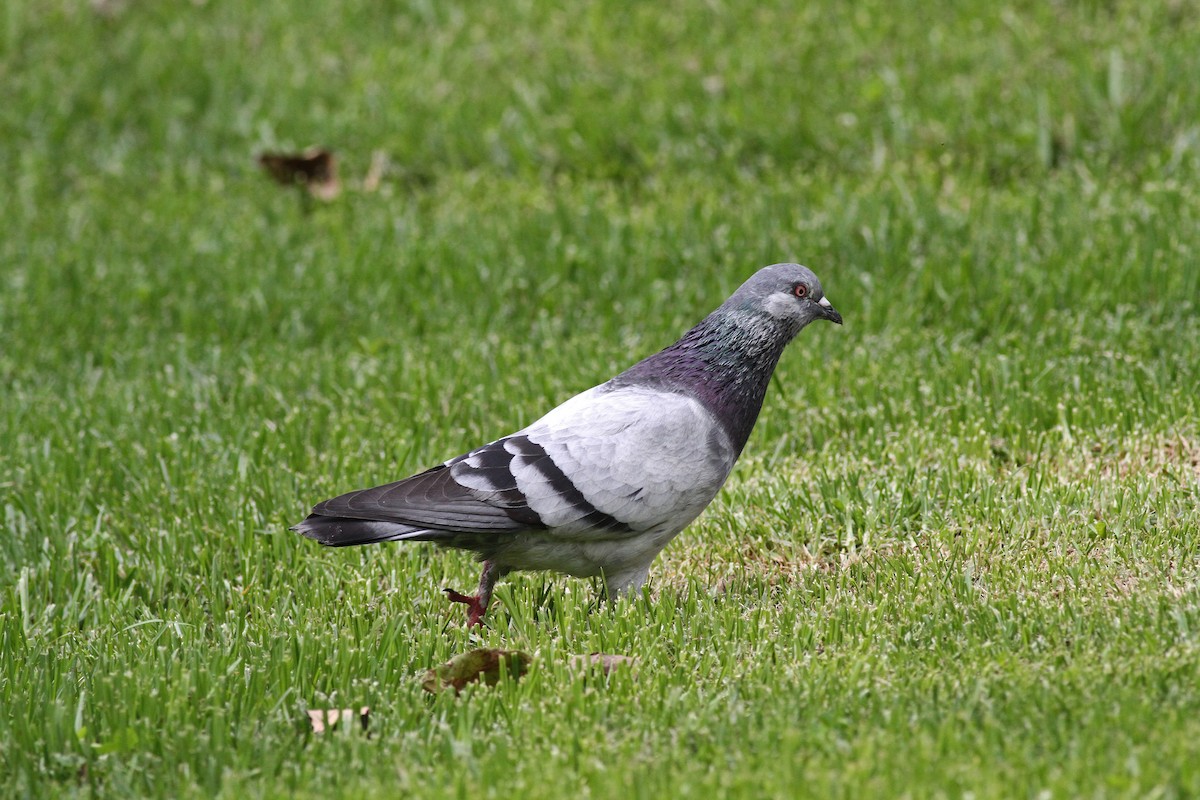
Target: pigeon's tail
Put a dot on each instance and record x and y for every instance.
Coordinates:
(343, 531)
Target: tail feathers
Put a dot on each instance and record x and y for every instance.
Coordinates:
(344, 532)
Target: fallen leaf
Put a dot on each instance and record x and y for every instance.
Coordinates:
(604, 661)
(473, 666)
(323, 719)
(315, 169)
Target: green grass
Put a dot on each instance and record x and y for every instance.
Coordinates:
(962, 553)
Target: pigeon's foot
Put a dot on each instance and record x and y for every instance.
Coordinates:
(477, 604)
(476, 608)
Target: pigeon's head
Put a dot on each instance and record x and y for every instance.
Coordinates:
(789, 293)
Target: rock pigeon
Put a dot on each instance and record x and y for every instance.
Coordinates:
(599, 485)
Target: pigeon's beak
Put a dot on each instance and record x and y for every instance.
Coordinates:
(829, 312)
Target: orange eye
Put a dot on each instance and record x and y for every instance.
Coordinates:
(801, 290)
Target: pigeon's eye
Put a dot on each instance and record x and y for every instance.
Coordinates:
(801, 290)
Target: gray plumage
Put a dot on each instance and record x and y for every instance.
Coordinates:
(600, 484)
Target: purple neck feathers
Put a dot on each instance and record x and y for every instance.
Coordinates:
(725, 362)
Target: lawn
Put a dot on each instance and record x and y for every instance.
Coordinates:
(960, 557)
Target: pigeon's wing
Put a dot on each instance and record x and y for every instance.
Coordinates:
(626, 459)
(607, 463)
(436, 500)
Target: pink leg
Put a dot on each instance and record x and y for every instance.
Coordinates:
(477, 604)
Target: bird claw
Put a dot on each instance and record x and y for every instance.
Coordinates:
(475, 607)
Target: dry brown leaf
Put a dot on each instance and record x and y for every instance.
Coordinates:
(315, 169)
(323, 719)
(479, 664)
